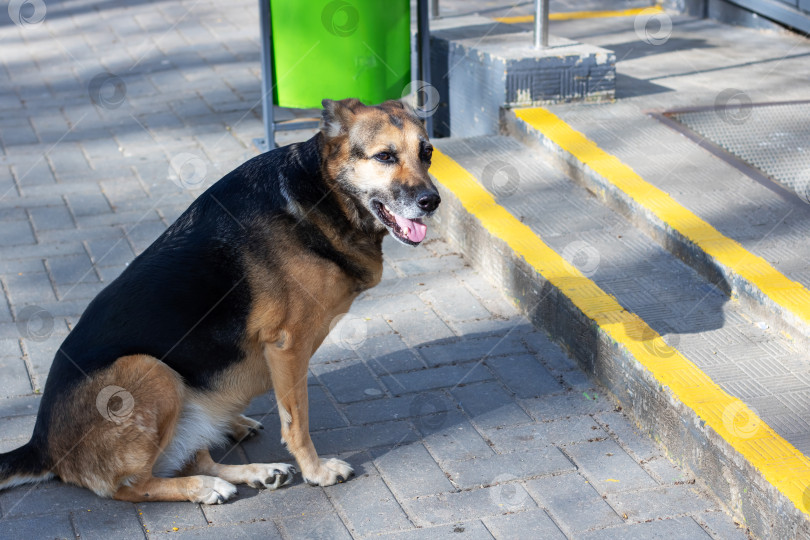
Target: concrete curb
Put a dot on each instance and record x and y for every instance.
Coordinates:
(655, 409)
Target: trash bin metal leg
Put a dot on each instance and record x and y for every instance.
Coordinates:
(434, 9)
(423, 53)
(540, 24)
(267, 77)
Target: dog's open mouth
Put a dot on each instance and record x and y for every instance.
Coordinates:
(410, 231)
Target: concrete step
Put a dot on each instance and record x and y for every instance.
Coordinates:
(745, 236)
(699, 371)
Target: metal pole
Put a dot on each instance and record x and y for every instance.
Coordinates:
(267, 77)
(540, 24)
(434, 9)
(423, 52)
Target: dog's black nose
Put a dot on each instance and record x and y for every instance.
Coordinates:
(429, 201)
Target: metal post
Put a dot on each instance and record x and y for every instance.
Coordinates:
(267, 78)
(540, 24)
(434, 9)
(423, 53)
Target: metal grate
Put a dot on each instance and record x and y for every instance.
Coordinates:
(772, 138)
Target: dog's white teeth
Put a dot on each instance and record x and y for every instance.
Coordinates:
(406, 232)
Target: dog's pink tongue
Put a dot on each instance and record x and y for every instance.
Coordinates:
(413, 230)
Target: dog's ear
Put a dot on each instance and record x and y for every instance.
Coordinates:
(404, 103)
(336, 115)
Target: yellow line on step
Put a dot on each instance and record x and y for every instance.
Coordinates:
(792, 296)
(571, 15)
(779, 462)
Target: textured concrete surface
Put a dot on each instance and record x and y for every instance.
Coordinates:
(460, 419)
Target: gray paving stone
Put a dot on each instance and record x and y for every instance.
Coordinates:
(50, 526)
(410, 471)
(464, 505)
(430, 265)
(666, 472)
(369, 506)
(28, 172)
(348, 380)
(71, 269)
(609, 467)
(258, 529)
(455, 439)
(10, 347)
(618, 424)
(397, 408)
(19, 406)
(15, 377)
(110, 251)
(474, 530)
(320, 527)
(109, 273)
(487, 294)
(388, 354)
(52, 497)
(563, 405)
(683, 528)
(561, 432)
(487, 327)
(51, 217)
(661, 502)
(489, 405)
(420, 327)
(21, 266)
(524, 526)
(18, 428)
(435, 378)
(143, 233)
(472, 349)
(386, 434)
(252, 505)
(29, 288)
(520, 465)
(720, 526)
(455, 303)
(524, 375)
(164, 516)
(15, 233)
(573, 502)
(117, 522)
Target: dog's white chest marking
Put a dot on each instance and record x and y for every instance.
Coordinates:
(195, 430)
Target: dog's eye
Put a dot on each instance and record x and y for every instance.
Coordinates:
(385, 157)
(427, 153)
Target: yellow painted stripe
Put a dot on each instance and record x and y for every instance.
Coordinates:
(779, 462)
(571, 15)
(790, 295)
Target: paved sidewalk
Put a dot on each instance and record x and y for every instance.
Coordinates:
(455, 412)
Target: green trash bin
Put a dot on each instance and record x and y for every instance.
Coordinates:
(339, 48)
(316, 49)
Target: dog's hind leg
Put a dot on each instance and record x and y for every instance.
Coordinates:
(110, 431)
(198, 489)
(243, 427)
(257, 475)
(289, 372)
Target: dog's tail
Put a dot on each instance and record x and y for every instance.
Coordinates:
(23, 465)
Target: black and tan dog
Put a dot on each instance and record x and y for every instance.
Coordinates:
(231, 301)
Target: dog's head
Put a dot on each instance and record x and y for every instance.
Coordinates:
(380, 156)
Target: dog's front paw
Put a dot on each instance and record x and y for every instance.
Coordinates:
(212, 490)
(243, 427)
(270, 475)
(330, 472)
